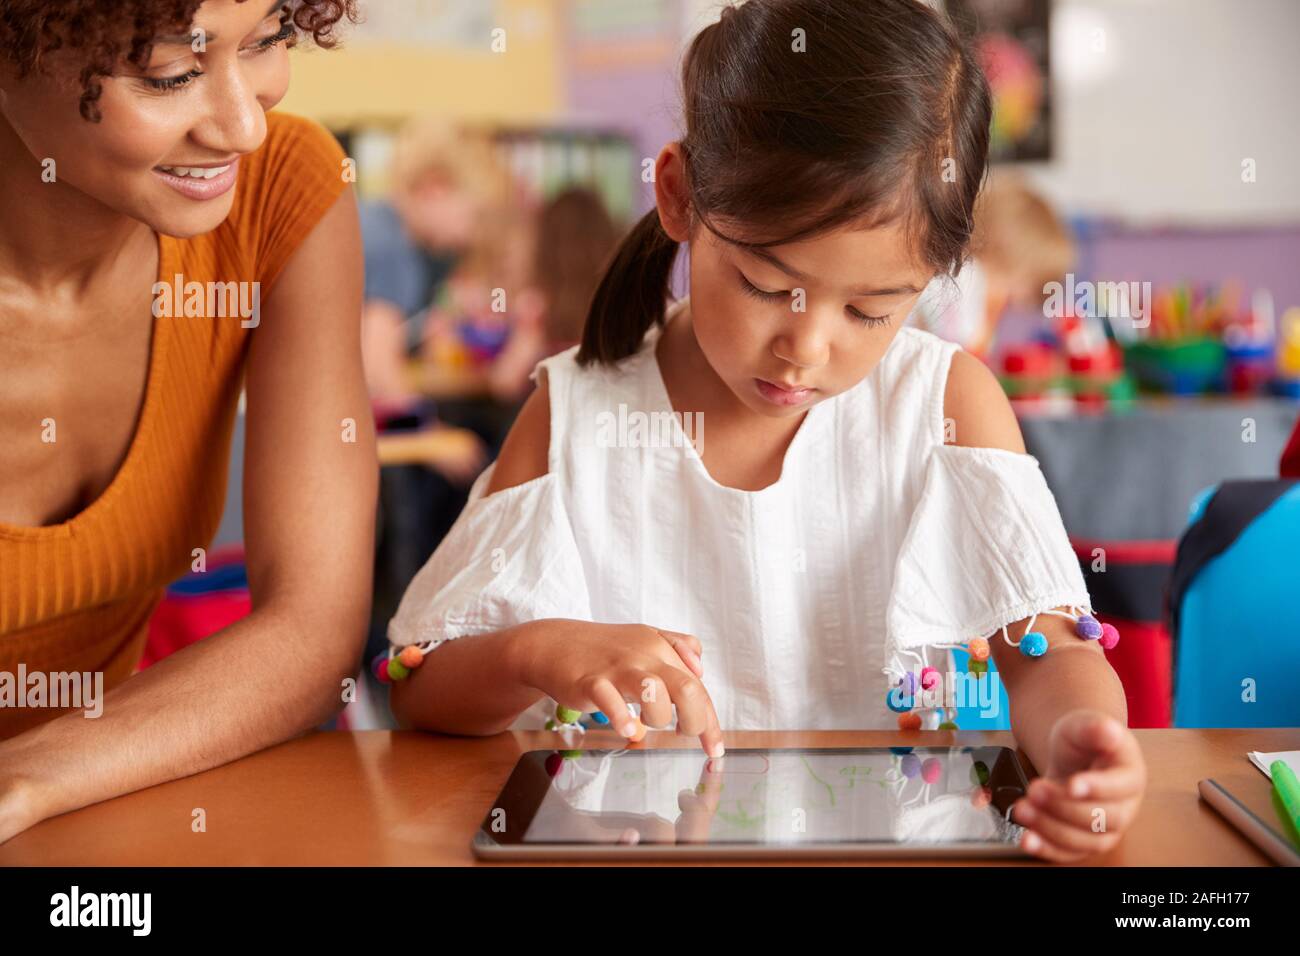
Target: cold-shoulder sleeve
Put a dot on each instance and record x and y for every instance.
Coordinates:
(986, 546)
(510, 558)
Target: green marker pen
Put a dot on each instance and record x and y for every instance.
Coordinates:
(1287, 789)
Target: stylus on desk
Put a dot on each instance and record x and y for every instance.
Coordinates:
(1251, 826)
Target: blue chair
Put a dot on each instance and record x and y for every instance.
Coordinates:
(971, 716)
(1237, 633)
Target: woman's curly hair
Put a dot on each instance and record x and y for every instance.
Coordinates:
(106, 32)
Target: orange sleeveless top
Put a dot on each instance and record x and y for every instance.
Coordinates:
(77, 596)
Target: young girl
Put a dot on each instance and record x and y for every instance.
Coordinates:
(837, 500)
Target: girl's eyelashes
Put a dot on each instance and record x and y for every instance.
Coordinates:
(754, 291)
(868, 319)
(750, 289)
(165, 84)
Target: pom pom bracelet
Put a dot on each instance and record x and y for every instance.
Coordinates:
(566, 718)
(389, 666)
(901, 697)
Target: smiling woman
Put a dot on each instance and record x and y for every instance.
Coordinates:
(108, 35)
(139, 155)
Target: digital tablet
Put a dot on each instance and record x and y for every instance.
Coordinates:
(790, 803)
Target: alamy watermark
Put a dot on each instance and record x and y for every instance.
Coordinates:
(208, 300)
(953, 689)
(62, 690)
(133, 911)
(659, 429)
(1112, 300)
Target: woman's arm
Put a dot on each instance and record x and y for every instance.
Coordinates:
(310, 485)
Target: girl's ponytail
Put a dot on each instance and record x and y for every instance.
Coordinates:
(632, 296)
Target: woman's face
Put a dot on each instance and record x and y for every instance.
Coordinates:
(166, 151)
(788, 326)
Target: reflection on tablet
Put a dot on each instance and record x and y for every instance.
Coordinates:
(912, 795)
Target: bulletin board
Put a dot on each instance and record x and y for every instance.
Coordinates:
(445, 24)
(626, 34)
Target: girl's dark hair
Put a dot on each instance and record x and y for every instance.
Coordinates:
(802, 117)
(106, 32)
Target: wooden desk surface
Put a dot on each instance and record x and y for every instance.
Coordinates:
(407, 798)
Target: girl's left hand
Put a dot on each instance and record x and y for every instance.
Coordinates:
(1090, 793)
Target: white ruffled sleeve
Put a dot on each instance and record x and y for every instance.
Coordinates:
(509, 558)
(986, 547)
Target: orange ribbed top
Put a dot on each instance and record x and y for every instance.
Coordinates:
(77, 596)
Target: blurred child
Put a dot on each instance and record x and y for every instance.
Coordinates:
(575, 238)
(1018, 245)
(443, 184)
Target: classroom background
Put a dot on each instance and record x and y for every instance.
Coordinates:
(499, 145)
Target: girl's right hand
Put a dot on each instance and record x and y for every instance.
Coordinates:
(590, 667)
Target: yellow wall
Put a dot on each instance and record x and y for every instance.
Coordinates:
(383, 84)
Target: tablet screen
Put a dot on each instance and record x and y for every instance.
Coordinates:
(914, 795)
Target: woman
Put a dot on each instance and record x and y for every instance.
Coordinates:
(164, 239)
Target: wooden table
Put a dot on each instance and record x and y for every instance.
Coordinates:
(408, 798)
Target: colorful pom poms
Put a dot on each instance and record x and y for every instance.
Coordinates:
(553, 764)
(908, 683)
(1088, 627)
(976, 667)
(379, 667)
(599, 718)
(1109, 636)
(948, 725)
(566, 715)
(932, 770)
(978, 648)
(899, 702)
(979, 773)
(909, 721)
(911, 766)
(411, 657)
(397, 670)
(1033, 644)
(929, 677)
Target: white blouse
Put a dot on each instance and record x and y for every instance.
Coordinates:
(811, 597)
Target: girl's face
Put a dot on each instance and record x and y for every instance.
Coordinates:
(166, 151)
(792, 325)
(788, 326)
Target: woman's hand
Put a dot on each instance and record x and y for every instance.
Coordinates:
(1090, 793)
(590, 667)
